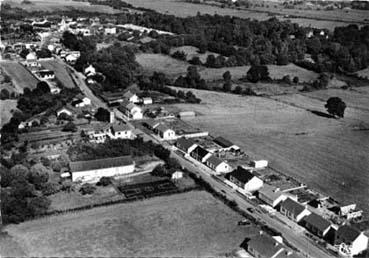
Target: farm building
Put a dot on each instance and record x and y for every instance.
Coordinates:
(64, 110)
(35, 121)
(293, 210)
(186, 145)
(131, 110)
(93, 170)
(316, 224)
(131, 97)
(165, 132)
(225, 144)
(245, 180)
(70, 58)
(350, 241)
(272, 195)
(32, 64)
(147, 101)
(218, 165)
(200, 154)
(120, 131)
(187, 114)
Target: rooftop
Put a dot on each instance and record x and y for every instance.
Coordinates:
(79, 166)
(120, 127)
(214, 160)
(185, 143)
(292, 206)
(223, 142)
(201, 152)
(264, 245)
(242, 174)
(317, 221)
(347, 234)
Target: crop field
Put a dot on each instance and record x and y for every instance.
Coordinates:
(329, 155)
(61, 72)
(21, 77)
(52, 5)
(6, 110)
(191, 52)
(188, 224)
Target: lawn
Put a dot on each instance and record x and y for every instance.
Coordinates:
(188, 224)
(319, 151)
(6, 109)
(61, 72)
(21, 77)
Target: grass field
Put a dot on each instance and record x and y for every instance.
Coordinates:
(60, 72)
(319, 151)
(52, 5)
(191, 52)
(189, 224)
(21, 77)
(6, 108)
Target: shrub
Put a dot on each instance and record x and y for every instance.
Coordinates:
(87, 189)
(104, 181)
(50, 188)
(296, 79)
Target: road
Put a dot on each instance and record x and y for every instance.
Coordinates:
(292, 235)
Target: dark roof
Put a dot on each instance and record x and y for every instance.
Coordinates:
(111, 96)
(265, 245)
(214, 160)
(317, 221)
(201, 152)
(223, 142)
(79, 166)
(185, 143)
(242, 174)
(45, 72)
(292, 206)
(162, 128)
(120, 127)
(346, 234)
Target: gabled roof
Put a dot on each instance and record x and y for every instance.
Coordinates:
(223, 142)
(201, 152)
(214, 160)
(317, 221)
(120, 127)
(292, 206)
(185, 143)
(264, 245)
(129, 94)
(346, 234)
(152, 123)
(162, 128)
(271, 192)
(79, 166)
(242, 175)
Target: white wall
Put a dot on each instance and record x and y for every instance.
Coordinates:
(222, 168)
(95, 175)
(254, 184)
(360, 244)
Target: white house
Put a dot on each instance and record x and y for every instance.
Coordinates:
(293, 210)
(245, 180)
(90, 71)
(93, 170)
(131, 97)
(147, 101)
(63, 110)
(120, 131)
(350, 241)
(31, 56)
(165, 132)
(218, 165)
(99, 133)
(259, 163)
(71, 58)
(177, 175)
(225, 144)
(110, 31)
(272, 195)
(131, 110)
(186, 145)
(81, 101)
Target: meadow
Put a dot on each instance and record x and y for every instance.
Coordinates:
(21, 77)
(6, 110)
(188, 224)
(329, 155)
(60, 71)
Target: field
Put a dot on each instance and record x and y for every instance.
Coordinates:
(52, 5)
(21, 77)
(60, 72)
(327, 154)
(6, 107)
(363, 73)
(191, 52)
(189, 224)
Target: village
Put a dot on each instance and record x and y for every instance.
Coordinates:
(137, 119)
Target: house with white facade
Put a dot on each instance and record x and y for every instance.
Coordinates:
(99, 133)
(225, 144)
(131, 110)
(131, 97)
(64, 110)
(186, 145)
(245, 180)
(31, 56)
(110, 31)
(293, 210)
(165, 132)
(147, 101)
(273, 196)
(200, 154)
(93, 170)
(120, 131)
(89, 71)
(217, 165)
(81, 101)
(350, 241)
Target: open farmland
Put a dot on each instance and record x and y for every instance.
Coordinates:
(21, 77)
(6, 110)
(60, 71)
(327, 154)
(189, 224)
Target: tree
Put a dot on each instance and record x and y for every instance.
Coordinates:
(296, 79)
(227, 77)
(43, 87)
(257, 73)
(4, 94)
(180, 55)
(39, 205)
(102, 115)
(335, 106)
(38, 175)
(238, 90)
(50, 188)
(195, 61)
(87, 189)
(104, 181)
(70, 127)
(227, 86)
(43, 53)
(159, 170)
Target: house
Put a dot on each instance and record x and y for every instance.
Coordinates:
(245, 180)
(90, 71)
(259, 164)
(71, 58)
(29, 123)
(200, 154)
(293, 210)
(152, 124)
(98, 133)
(120, 131)
(113, 98)
(147, 101)
(131, 110)
(350, 241)
(110, 31)
(45, 74)
(177, 175)
(216, 164)
(165, 132)
(81, 101)
(317, 224)
(93, 170)
(54, 89)
(265, 246)
(64, 110)
(131, 97)
(186, 145)
(31, 56)
(272, 195)
(32, 64)
(225, 144)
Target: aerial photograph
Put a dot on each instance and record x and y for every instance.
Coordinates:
(184, 128)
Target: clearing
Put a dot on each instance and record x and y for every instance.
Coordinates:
(21, 77)
(321, 152)
(188, 224)
(6, 109)
(60, 71)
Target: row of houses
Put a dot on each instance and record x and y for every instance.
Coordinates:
(100, 133)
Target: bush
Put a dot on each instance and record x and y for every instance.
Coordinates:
(56, 166)
(296, 79)
(70, 127)
(104, 181)
(50, 188)
(87, 189)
